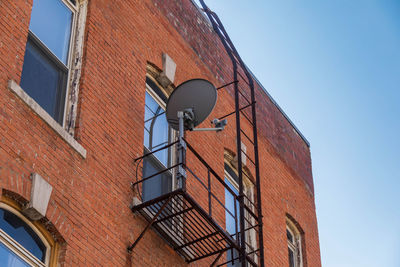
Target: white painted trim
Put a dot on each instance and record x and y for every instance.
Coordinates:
(71, 47)
(76, 54)
(15, 88)
(295, 246)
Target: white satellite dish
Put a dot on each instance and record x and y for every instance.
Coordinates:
(196, 98)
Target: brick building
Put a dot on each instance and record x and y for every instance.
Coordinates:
(84, 86)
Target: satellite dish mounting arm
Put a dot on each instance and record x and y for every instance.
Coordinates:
(219, 126)
(189, 122)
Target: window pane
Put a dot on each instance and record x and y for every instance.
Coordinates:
(22, 233)
(156, 129)
(159, 184)
(230, 219)
(230, 206)
(151, 105)
(156, 135)
(43, 81)
(9, 258)
(291, 258)
(289, 236)
(51, 23)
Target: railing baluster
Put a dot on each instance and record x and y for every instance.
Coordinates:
(209, 192)
(236, 221)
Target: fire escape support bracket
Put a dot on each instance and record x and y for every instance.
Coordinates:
(131, 247)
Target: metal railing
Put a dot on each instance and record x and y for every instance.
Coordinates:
(194, 223)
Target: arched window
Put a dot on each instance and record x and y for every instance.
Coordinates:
(231, 203)
(21, 244)
(157, 134)
(293, 235)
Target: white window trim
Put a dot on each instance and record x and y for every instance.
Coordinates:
(18, 249)
(68, 63)
(71, 53)
(73, 65)
(295, 246)
(76, 48)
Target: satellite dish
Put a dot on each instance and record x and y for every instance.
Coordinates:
(197, 97)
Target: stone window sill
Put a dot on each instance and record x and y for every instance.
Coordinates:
(15, 88)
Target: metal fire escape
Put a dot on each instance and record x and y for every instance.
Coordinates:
(185, 217)
(244, 87)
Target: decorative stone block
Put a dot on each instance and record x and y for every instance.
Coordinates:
(167, 76)
(40, 196)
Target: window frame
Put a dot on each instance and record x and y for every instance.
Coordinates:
(21, 251)
(296, 245)
(172, 136)
(63, 99)
(232, 181)
(248, 190)
(163, 106)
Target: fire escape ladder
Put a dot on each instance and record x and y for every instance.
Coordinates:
(242, 83)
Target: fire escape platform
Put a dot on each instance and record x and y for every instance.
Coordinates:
(186, 226)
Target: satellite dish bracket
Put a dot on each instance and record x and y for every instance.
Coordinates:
(189, 121)
(189, 118)
(219, 126)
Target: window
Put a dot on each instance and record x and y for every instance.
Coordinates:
(294, 244)
(232, 225)
(20, 244)
(232, 211)
(47, 57)
(157, 134)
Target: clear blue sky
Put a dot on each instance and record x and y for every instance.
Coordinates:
(334, 68)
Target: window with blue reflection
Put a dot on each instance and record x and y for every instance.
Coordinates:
(10, 259)
(232, 225)
(230, 208)
(46, 67)
(44, 81)
(156, 129)
(157, 134)
(51, 22)
(159, 184)
(22, 233)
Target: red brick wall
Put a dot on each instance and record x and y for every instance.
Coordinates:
(89, 206)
